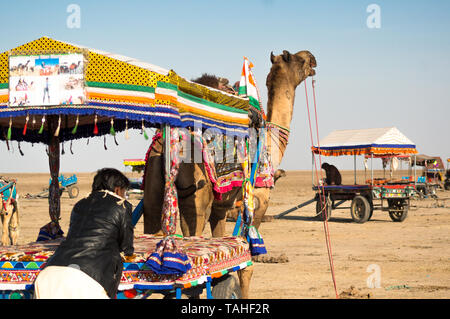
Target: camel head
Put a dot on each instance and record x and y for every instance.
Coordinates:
(278, 174)
(294, 68)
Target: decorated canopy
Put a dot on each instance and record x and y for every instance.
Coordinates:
(92, 92)
(425, 160)
(377, 141)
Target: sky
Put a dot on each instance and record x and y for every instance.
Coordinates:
(394, 74)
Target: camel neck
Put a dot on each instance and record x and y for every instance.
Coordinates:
(279, 115)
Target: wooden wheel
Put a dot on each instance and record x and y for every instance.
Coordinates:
(398, 210)
(321, 212)
(360, 209)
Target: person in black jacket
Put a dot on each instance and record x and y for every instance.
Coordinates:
(88, 264)
(333, 177)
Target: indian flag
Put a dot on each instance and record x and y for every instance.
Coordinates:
(247, 85)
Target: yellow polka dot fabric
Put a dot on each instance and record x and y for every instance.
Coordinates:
(100, 68)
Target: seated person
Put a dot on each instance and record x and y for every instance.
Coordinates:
(87, 264)
(333, 177)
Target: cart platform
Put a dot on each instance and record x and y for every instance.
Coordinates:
(210, 258)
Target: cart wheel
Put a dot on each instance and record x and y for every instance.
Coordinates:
(371, 211)
(226, 287)
(399, 216)
(320, 213)
(360, 209)
(401, 210)
(73, 191)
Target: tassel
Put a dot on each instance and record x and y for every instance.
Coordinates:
(115, 141)
(145, 135)
(87, 141)
(104, 142)
(95, 125)
(126, 130)
(8, 135)
(257, 246)
(42, 125)
(26, 124)
(143, 130)
(111, 130)
(59, 126)
(76, 125)
(20, 150)
(62, 149)
(71, 147)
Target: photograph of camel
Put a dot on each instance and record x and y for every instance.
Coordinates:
(46, 80)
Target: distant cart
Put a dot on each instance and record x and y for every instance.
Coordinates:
(447, 176)
(388, 195)
(137, 165)
(432, 175)
(66, 184)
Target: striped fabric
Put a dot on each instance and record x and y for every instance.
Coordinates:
(193, 110)
(4, 94)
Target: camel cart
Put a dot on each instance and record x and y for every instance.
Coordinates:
(104, 94)
(432, 177)
(66, 184)
(136, 165)
(390, 195)
(447, 176)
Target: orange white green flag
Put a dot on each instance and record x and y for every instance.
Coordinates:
(247, 85)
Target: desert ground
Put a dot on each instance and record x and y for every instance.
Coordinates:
(411, 259)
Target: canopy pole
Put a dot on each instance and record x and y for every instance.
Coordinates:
(415, 165)
(166, 128)
(365, 170)
(354, 166)
(312, 169)
(371, 168)
(53, 160)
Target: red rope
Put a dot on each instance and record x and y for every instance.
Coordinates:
(322, 197)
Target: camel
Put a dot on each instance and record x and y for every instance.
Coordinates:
(9, 213)
(73, 67)
(196, 199)
(23, 67)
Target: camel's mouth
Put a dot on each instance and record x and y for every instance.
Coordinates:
(312, 65)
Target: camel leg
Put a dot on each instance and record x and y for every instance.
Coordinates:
(6, 217)
(153, 195)
(262, 203)
(245, 276)
(217, 221)
(195, 208)
(195, 212)
(14, 225)
(220, 209)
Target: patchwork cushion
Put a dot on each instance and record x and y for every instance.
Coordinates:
(210, 257)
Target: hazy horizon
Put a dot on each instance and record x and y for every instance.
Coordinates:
(394, 75)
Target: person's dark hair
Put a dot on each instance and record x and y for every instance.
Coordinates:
(109, 179)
